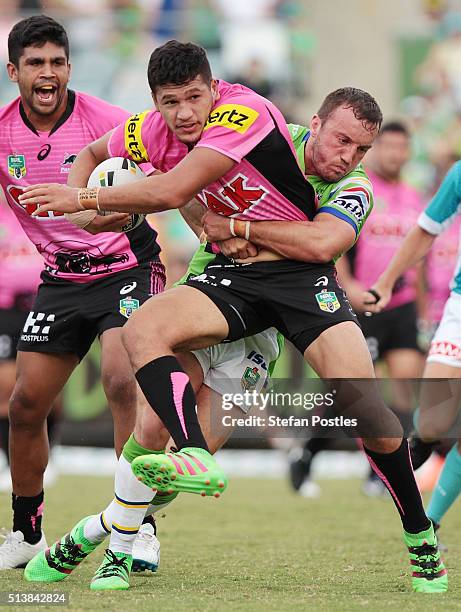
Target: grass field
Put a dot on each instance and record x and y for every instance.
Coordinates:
(258, 548)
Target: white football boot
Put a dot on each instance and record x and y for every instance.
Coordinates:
(146, 550)
(15, 552)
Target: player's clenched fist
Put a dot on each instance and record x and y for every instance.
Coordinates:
(217, 227)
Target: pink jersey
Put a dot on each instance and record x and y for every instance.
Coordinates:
(30, 157)
(265, 182)
(397, 207)
(20, 264)
(441, 263)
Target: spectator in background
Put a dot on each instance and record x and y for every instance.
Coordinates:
(255, 77)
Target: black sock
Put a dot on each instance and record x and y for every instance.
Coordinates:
(4, 433)
(149, 520)
(27, 516)
(315, 445)
(168, 390)
(396, 472)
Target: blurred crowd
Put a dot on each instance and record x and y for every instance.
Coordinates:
(269, 45)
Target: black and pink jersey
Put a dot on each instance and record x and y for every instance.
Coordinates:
(266, 182)
(30, 157)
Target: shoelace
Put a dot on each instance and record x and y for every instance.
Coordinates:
(114, 567)
(428, 557)
(69, 552)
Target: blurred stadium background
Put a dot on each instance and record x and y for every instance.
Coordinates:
(407, 54)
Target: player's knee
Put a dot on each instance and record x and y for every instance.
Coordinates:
(25, 411)
(432, 427)
(383, 445)
(138, 340)
(119, 387)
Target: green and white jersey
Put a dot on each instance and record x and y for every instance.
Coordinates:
(350, 198)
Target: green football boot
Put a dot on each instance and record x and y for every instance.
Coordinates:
(428, 571)
(58, 561)
(114, 572)
(190, 470)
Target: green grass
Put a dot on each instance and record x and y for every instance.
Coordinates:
(258, 548)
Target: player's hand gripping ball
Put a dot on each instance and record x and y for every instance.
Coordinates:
(109, 173)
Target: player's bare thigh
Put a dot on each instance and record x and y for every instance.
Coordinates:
(439, 400)
(403, 365)
(340, 352)
(181, 319)
(40, 377)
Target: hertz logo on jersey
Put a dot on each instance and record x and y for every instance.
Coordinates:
(233, 116)
(133, 140)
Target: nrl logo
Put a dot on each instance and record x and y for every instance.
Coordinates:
(17, 166)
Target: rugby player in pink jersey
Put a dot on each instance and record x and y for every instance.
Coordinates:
(90, 283)
(231, 147)
(20, 268)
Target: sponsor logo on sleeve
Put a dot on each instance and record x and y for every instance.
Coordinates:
(133, 139)
(354, 201)
(232, 116)
(17, 166)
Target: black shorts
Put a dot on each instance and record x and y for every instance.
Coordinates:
(391, 329)
(66, 317)
(11, 322)
(300, 299)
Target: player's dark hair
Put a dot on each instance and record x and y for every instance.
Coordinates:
(35, 31)
(394, 127)
(364, 106)
(176, 63)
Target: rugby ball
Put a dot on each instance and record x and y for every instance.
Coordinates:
(109, 173)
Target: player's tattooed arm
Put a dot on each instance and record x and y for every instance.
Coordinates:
(192, 214)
